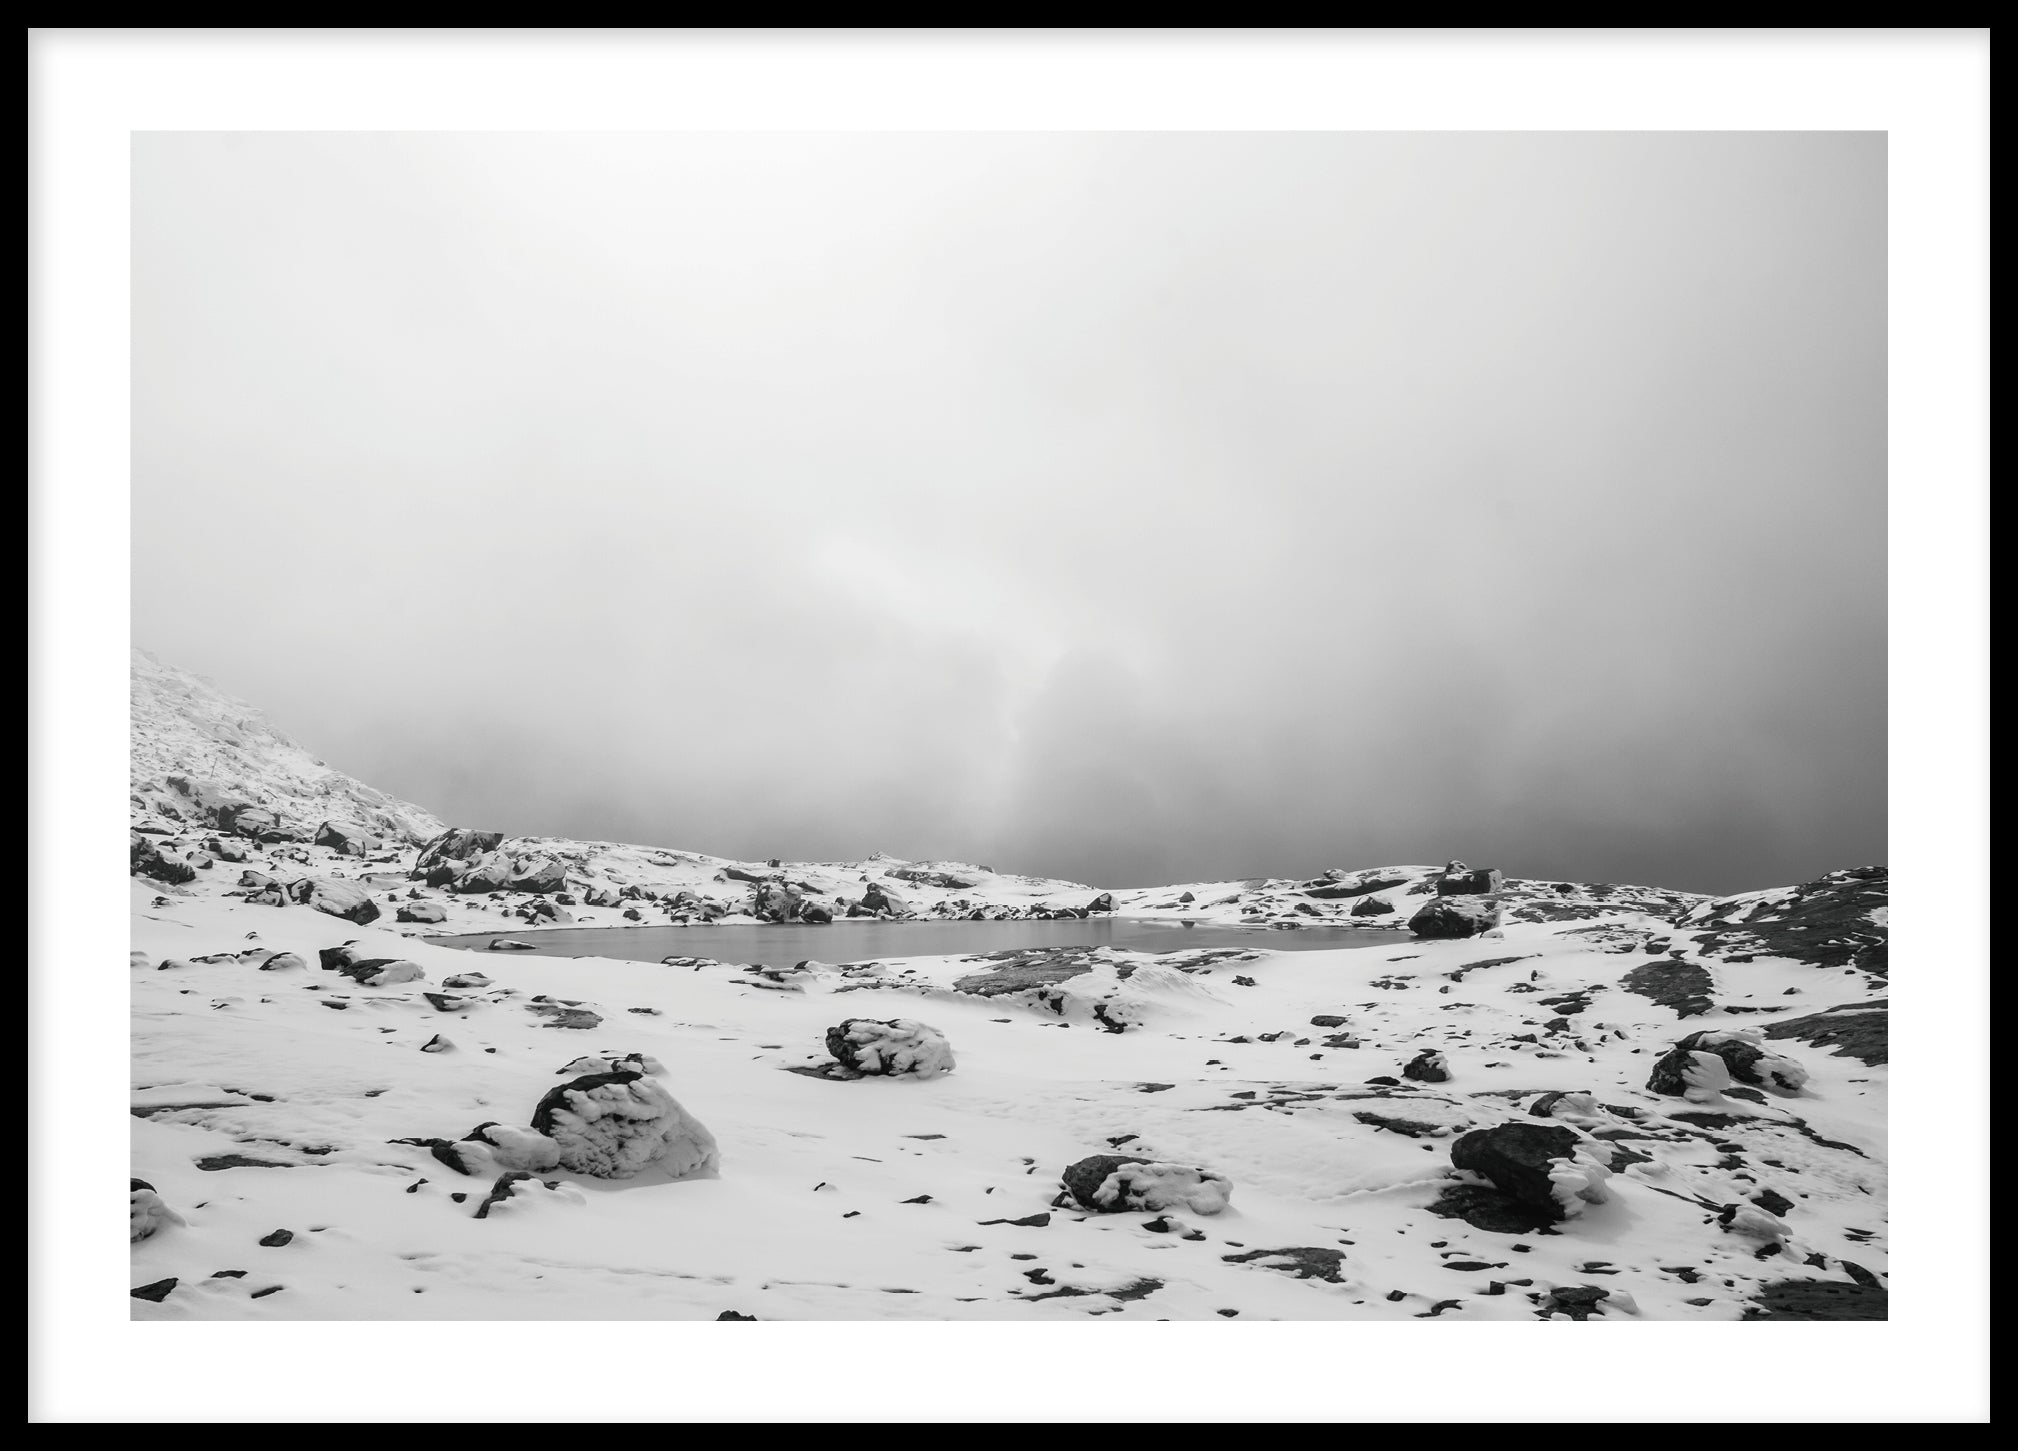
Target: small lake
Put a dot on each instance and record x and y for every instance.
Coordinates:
(859, 941)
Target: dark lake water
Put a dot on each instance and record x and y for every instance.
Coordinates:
(859, 941)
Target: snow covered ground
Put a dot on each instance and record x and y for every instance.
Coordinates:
(307, 1128)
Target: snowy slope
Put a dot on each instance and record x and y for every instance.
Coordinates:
(274, 1100)
(196, 748)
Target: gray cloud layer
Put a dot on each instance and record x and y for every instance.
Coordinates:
(1127, 507)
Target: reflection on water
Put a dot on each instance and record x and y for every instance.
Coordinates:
(857, 941)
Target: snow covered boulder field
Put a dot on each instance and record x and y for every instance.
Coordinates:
(1599, 1103)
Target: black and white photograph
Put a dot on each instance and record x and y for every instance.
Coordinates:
(1017, 726)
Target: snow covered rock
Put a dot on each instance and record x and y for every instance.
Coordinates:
(878, 898)
(1460, 916)
(147, 858)
(284, 962)
(1578, 1180)
(1428, 1066)
(519, 1189)
(421, 912)
(601, 895)
(339, 899)
(382, 971)
(899, 1047)
(509, 1148)
(616, 1125)
(1520, 1160)
(1116, 1183)
(150, 1213)
(490, 873)
(1102, 903)
(454, 849)
(347, 840)
(1740, 1053)
(537, 874)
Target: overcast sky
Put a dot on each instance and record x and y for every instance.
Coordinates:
(1131, 508)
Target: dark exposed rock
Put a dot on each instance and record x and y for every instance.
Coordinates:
(1819, 1300)
(1329, 891)
(278, 1238)
(878, 898)
(1829, 922)
(420, 912)
(1102, 903)
(1461, 916)
(157, 1291)
(1773, 1202)
(1679, 985)
(1306, 1262)
(1579, 1302)
(1427, 1066)
(1371, 907)
(1493, 1210)
(1516, 1158)
(1857, 1030)
(1458, 880)
(732, 1315)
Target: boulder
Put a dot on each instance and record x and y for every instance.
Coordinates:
(1460, 916)
(899, 1047)
(775, 902)
(1118, 1183)
(815, 912)
(455, 847)
(1517, 1158)
(223, 850)
(421, 912)
(382, 971)
(617, 1125)
(489, 873)
(878, 898)
(148, 859)
(537, 874)
(1102, 903)
(1459, 880)
(347, 900)
(601, 895)
(1428, 1066)
(1371, 907)
(1740, 1053)
(347, 840)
